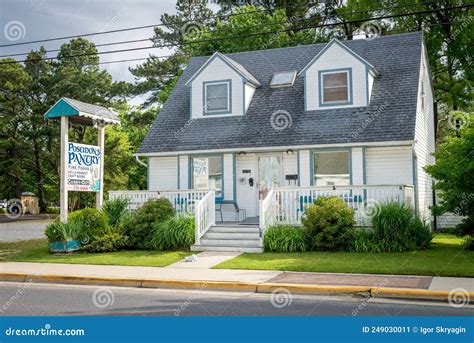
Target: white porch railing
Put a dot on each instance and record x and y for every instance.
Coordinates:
(287, 205)
(183, 201)
(205, 215)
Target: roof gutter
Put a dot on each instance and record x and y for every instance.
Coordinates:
(277, 148)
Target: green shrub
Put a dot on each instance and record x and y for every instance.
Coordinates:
(108, 242)
(174, 233)
(468, 243)
(95, 223)
(466, 227)
(391, 223)
(285, 238)
(365, 242)
(330, 224)
(397, 228)
(115, 210)
(54, 231)
(139, 226)
(58, 231)
(420, 232)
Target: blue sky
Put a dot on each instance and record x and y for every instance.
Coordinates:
(40, 19)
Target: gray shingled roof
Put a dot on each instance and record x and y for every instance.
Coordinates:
(394, 94)
(94, 110)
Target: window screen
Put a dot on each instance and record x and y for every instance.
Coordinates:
(335, 87)
(331, 168)
(217, 97)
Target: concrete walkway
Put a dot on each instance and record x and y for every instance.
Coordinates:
(234, 275)
(206, 260)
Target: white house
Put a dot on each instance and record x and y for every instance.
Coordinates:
(260, 134)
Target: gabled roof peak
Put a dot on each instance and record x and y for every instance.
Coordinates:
(333, 41)
(237, 67)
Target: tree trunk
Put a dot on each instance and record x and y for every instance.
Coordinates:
(39, 177)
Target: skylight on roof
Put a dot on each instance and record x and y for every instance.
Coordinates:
(283, 79)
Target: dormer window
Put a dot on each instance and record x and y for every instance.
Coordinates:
(217, 97)
(335, 87)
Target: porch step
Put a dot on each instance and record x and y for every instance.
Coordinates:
(230, 238)
(220, 248)
(234, 235)
(234, 229)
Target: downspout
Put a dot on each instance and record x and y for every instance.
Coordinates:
(137, 158)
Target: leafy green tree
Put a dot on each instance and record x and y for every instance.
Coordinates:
(14, 81)
(454, 173)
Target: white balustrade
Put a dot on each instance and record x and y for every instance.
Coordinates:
(183, 201)
(205, 215)
(287, 205)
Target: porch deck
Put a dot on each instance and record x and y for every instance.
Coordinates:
(280, 206)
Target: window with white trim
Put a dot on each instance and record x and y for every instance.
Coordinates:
(335, 87)
(217, 97)
(331, 168)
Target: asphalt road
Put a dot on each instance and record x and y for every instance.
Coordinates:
(23, 230)
(23, 299)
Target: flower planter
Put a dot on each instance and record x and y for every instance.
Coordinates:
(64, 246)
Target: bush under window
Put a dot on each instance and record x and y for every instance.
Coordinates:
(329, 223)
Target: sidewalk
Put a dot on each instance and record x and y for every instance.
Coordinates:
(179, 276)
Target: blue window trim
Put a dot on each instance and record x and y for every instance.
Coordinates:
(191, 170)
(321, 73)
(323, 150)
(234, 176)
(229, 102)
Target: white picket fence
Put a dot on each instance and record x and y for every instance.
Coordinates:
(183, 201)
(287, 205)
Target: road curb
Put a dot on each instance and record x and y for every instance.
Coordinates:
(263, 287)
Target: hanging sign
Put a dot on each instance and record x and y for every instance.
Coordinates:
(83, 167)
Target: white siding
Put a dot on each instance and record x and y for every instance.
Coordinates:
(183, 172)
(305, 160)
(357, 166)
(163, 173)
(246, 195)
(425, 141)
(336, 57)
(228, 177)
(249, 91)
(448, 220)
(217, 70)
(389, 165)
(371, 83)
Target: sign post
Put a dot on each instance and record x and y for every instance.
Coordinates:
(82, 166)
(63, 177)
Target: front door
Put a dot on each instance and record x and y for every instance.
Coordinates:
(270, 171)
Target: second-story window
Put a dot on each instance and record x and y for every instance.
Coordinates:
(217, 97)
(335, 87)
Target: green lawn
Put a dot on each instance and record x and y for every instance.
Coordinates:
(37, 251)
(445, 258)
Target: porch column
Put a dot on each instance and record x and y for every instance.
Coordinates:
(357, 158)
(228, 176)
(305, 168)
